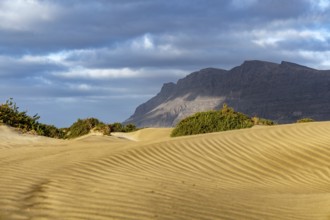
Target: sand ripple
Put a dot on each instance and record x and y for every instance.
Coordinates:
(280, 172)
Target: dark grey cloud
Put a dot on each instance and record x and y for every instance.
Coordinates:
(85, 24)
(102, 58)
(24, 68)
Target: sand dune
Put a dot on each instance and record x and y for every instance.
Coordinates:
(280, 172)
(10, 137)
(147, 134)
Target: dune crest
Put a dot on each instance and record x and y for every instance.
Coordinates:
(12, 138)
(280, 172)
(146, 134)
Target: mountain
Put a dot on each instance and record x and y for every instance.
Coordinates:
(282, 92)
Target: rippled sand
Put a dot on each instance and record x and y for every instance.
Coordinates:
(280, 172)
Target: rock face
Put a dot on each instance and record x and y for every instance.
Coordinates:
(282, 92)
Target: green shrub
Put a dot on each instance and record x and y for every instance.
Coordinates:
(303, 120)
(103, 128)
(118, 127)
(50, 131)
(10, 115)
(212, 121)
(262, 121)
(82, 127)
(129, 128)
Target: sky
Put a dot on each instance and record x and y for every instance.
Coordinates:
(70, 59)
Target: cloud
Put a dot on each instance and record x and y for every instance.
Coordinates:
(322, 5)
(269, 38)
(26, 67)
(99, 73)
(22, 15)
(119, 53)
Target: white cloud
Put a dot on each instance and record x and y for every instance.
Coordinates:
(25, 14)
(321, 4)
(145, 42)
(267, 41)
(57, 58)
(84, 73)
(265, 38)
(152, 44)
(145, 48)
(321, 58)
(321, 34)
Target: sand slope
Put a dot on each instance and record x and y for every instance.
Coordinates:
(147, 134)
(280, 172)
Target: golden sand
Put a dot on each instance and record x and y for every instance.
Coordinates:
(280, 172)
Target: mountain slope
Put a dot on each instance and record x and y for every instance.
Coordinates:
(282, 92)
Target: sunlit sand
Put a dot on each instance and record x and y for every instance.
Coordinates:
(280, 172)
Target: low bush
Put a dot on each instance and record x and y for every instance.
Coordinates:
(262, 121)
(129, 128)
(84, 126)
(303, 120)
(212, 121)
(10, 115)
(50, 131)
(118, 127)
(103, 128)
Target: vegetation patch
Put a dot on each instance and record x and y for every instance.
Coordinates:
(212, 121)
(262, 121)
(304, 120)
(85, 126)
(10, 115)
(118, 127)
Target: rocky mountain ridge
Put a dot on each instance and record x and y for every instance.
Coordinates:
(282, 92)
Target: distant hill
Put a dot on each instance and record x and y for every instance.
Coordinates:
(281, 92)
